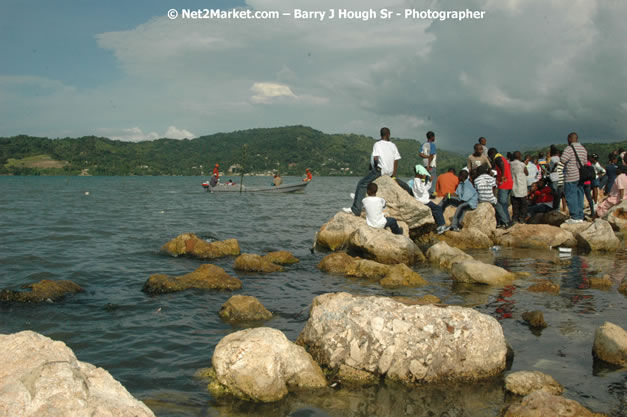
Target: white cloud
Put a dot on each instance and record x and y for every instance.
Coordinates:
(529, 70)
(135, 134)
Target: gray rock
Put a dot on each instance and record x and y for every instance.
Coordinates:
(477, 272)
(617, 217)
(261, 364)
(42, 377)
(535, 319)
(610, 344)
(539, 236)
(482, 218)
(526, 382)
(405, 343)
(467, 238)
(334, 234)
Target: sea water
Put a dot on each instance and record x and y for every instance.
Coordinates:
(104, 233)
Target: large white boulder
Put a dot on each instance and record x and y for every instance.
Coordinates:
(406, 343)
(261, 364)
(42, 377)
(383, 246)
(334, 233)
(403, 206)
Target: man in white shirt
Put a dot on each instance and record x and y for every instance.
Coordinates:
(385, 158)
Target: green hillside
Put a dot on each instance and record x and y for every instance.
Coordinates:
(290, 149)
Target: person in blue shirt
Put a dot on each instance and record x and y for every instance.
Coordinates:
(611, 170)
(465, 198)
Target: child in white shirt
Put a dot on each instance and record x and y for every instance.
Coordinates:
(374, 211)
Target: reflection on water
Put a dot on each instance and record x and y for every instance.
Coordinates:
(108, 242)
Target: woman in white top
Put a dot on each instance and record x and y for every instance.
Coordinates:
(421, 188)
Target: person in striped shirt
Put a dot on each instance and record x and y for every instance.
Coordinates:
(573, 157)
(556, 175)
(485, 184)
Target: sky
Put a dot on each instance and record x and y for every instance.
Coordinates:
(526, 74)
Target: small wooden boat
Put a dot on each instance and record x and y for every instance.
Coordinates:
(235, 188)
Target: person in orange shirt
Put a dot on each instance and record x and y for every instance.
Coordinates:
(446, 183)
(216, 171)
(308, 176)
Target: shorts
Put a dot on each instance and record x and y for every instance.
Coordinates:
(595, 183)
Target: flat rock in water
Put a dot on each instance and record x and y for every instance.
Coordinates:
(282, 257)
(526, 382)
(404, 343)
(444, 256)
(383, 246)
(401, 275)
(337, 263)
(610, 344)
(602, 283)
(542, 404)
(422, 300)
(622, 288)
(365, 268)
(477, 272)
(543, 285)
(45, 290)
(261, 364)
(42, 377)
(535, 319)
(188, 244)
(205, 277)
(244, 308)
(254, 263)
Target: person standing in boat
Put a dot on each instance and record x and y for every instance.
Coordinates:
(277, 180)
(308, 175)
(216, 171)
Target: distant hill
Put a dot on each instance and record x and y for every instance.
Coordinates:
(288, 149)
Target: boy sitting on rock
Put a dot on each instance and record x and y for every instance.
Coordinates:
(465, 198)
(374, 211)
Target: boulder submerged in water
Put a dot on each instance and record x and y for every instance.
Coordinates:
(467, 238)
(255, 263)
(261, 364)
(389, 276)
(477, 272)
(541, 403)
(526, 382)
(405, 343)
(43, 377)
(205, 277)
(281, 258)
(243, 308)
(45, 290)
(188, 244)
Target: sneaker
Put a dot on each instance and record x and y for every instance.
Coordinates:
(573, 221)
(347, 210)
(454, 229)
(442, 229)
(352, 196)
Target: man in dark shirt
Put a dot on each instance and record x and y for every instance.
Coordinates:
(610, 173)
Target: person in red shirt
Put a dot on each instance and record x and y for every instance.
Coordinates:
(504, 183)
(216, 171)
(446, 183)
(308, 175)
(540, 199)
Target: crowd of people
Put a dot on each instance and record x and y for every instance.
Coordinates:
(532, 184)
